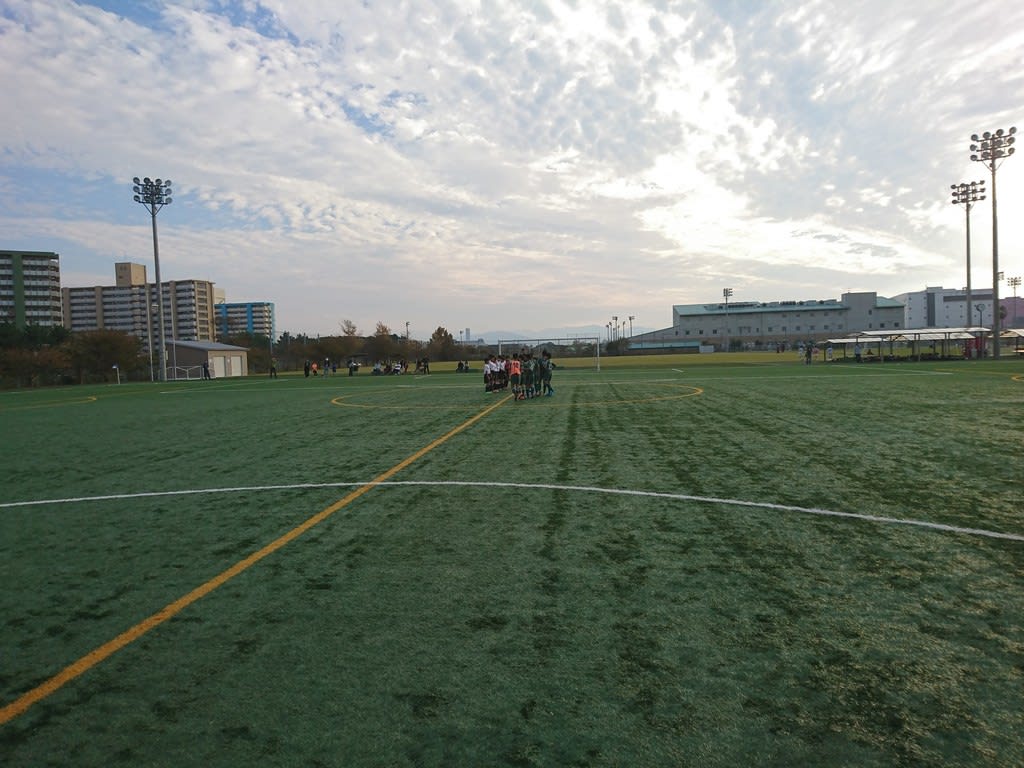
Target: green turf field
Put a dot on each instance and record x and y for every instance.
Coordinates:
(739, 561)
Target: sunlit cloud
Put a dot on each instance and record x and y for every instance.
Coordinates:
(521, 166)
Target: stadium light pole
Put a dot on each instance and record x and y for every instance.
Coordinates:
(631, 319)
(149, 332)
(615, 325)
(1014, 282)
(726, 293)
(990, 149)
(154, 195)
(967, 195)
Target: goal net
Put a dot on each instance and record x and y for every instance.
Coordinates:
(584, 349)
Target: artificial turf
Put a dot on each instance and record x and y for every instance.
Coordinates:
(492, 602)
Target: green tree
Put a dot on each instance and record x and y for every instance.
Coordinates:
(351, 342)
(93, 354)
(32, 336)
(35, 354)
(441, 345)
(381, 345)
(24, 367)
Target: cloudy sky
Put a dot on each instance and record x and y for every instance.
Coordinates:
(504, 165)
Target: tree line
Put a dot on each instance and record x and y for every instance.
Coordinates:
(45, 355)
(293, 350)
(48, 355)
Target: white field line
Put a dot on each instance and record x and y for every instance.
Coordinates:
(818, 377)
(543, 486)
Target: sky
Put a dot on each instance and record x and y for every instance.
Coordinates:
(534, 167)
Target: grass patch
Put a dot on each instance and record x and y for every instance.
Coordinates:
(489, 604)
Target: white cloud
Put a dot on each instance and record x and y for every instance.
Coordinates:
(348, 160)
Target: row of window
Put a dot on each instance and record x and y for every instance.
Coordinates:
(746, 330)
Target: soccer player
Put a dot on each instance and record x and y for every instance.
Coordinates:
(529, 365)
(547, 366)
(489, 374)
(514, 374)
(501, 368)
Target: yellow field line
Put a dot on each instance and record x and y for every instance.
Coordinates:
(77, 401)
(85, 663)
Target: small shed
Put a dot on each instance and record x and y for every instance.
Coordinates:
(185, 359)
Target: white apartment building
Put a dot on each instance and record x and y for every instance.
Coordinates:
(938, 307)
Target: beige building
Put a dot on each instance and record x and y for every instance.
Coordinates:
(185, 360)
(30, 288)
(130, 305)
(763, 325)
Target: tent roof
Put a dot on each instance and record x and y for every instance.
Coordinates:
(878, 337)
(935, 335)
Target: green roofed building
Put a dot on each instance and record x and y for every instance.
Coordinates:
(30, 288)
(763, 325)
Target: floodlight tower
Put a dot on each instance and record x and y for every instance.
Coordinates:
(968, 195)
(990, 149)
(154, 195)
(1014, 282)
(633, 317)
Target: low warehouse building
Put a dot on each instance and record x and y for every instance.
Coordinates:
(185, 359)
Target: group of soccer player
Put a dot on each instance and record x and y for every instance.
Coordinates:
(526, 375)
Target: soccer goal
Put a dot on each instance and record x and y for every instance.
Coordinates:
(564, 348)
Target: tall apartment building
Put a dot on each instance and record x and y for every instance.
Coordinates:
(30, 288)
(245, 317)
(131, 306)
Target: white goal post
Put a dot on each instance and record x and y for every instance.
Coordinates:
(578, 347)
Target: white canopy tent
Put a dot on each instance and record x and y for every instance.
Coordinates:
(914, 337)
(1018, 335)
